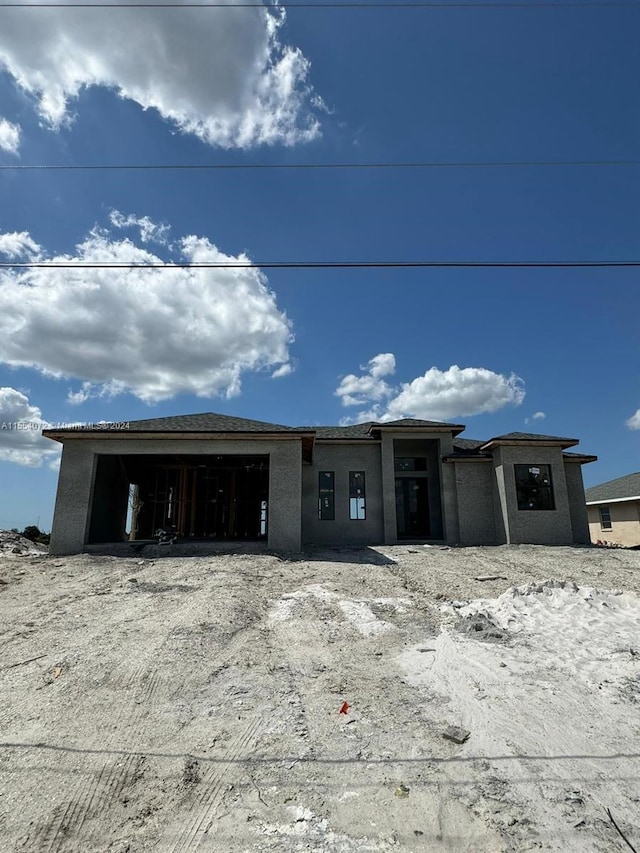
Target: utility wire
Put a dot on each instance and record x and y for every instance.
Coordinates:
(322, 265)
(433, 4)
(462, 164)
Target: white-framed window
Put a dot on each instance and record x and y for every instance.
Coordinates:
(605, 517)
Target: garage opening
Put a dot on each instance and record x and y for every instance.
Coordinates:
(193, 497)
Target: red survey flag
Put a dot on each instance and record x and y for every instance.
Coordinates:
(345, 707)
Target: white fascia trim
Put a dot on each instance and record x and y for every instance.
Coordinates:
(613, 501)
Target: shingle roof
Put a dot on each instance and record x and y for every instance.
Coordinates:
(351, 431)
(619, 489)
(206, 422)
(467, 444)
(528, 436)
(365, 430)
(416, 422)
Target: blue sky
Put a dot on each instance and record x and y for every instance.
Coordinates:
(545, 350)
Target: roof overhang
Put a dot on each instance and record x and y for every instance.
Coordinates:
(460, 457)
(612, 501)
(581, 458)
(450, 429)
(530, 442)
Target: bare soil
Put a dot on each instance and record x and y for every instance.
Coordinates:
(179, 704)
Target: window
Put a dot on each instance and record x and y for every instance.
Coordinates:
(356, 496)
(533, 486)
(326, 496)
(605, 517)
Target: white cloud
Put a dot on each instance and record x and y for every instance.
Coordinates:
(383, 364)
(150, 231)
(358, 390)
(21, 426)
(283, 370)
(634, 421)
(536, 416)
(221, 74)
(437, 395)
(155, 333)
(9, 136)
(18, 244)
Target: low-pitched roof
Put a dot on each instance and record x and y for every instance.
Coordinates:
(620, 489)
(211, 422)
(206, 422)
(366, 430)
(200, 422)
(350, 431)
(514, 437)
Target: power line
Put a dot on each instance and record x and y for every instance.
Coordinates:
(323, 265)
(461, 164)
(430, 4)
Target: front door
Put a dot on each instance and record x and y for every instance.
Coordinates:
(412, 508)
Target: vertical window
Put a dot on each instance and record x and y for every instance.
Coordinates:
(534, 487)
(605, 517)
(326, 496)
(356, 496)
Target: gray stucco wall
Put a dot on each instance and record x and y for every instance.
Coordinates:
(543, 527)
(342, 458)
(475, 486)
(577, 506)
(77, 478)
(70, 527)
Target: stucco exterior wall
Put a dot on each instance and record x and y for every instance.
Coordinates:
(625, 523)
(475, 486)
(70, 528)
(77, 480)
(536, 527)
(341, 459)
(577, 508)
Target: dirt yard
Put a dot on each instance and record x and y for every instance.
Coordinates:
(181, 704)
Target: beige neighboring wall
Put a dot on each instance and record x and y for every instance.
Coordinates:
(625, 523)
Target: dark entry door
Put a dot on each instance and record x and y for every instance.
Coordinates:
(412, 508)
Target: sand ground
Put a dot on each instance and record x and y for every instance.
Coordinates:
(181, 704)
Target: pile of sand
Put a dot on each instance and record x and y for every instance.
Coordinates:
(13, 544)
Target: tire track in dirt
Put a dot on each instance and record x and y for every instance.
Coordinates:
(101, 780)
(93, 793)
(99, 789)
(203, 808)
(105, 786)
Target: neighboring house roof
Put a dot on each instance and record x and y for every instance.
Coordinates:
(621, 489)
